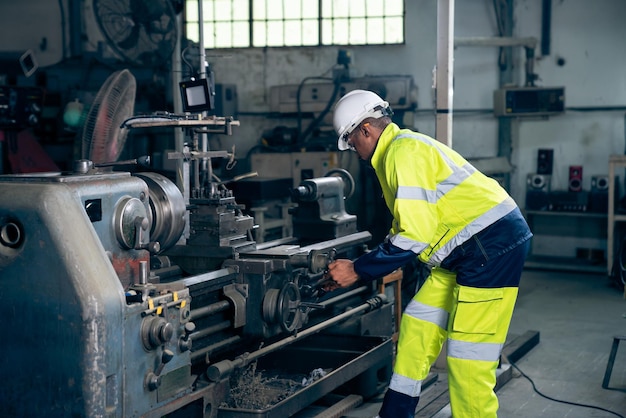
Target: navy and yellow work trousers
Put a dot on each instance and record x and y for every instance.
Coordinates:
(474, 322)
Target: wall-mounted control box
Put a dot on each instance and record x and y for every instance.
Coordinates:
(528, 101)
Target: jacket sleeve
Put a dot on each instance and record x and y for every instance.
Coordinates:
(381, 261)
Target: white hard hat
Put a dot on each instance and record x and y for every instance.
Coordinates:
(354, 108)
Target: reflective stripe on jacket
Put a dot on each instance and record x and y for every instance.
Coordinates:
(437, 198)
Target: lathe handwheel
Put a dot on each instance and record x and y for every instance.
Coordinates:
(283, 306)
(288, 307)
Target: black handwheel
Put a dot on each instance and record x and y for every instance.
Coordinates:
(288, 307)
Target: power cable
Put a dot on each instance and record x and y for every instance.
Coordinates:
(301, 136)
(183, 56)
(560, 400)
(63, 35)
(618, 270)
(304, 135)
(622, 266)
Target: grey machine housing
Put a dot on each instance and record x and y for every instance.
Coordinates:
(110, 310)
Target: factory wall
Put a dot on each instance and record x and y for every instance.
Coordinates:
(586, 57)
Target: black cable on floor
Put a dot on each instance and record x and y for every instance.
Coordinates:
(622, 266)
(559, 400)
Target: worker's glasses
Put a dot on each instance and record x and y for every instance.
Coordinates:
(346, 138)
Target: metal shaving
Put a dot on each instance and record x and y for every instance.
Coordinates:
(251, 390)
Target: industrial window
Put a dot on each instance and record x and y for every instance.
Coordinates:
(276, 23)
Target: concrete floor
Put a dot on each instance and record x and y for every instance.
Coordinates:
(577, 316)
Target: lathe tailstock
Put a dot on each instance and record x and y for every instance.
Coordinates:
(110, 310)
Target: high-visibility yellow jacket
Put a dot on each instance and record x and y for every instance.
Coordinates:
(437, 198)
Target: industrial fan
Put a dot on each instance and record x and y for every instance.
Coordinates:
(102, 138)
(144, 32)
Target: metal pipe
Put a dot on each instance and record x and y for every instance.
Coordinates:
(276, 242)
(211, 330)
(75, 28)
(501, 41)
(209, 309)
(546, 26)
(444, 71)
(505, 125)
(208, 349)
(166, 272)
(205, 166)
(143, 272)
(343, 296)
(530, 67)
(202, 71)
(342, 243)
(217, 371)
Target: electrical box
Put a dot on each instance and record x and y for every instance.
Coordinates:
(400, 91)
(226, 100)
(20, 107)
(529, 101)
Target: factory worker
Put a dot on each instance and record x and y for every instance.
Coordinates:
(461, 223)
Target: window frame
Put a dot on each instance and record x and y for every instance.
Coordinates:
(323, 19)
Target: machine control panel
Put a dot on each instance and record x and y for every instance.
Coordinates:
(529, 101)
(20, 107)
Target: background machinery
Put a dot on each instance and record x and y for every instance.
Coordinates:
(124, 294)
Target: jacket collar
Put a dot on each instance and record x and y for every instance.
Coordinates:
(386, 138)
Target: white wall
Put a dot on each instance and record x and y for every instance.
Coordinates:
(589, 39)
(587, 36)
(25, 25)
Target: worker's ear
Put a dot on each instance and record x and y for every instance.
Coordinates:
(365, 129)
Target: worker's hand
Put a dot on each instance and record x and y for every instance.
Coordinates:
(342, 272)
